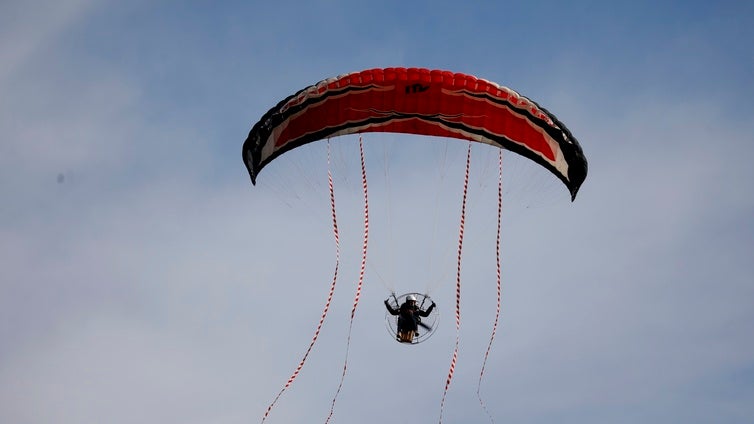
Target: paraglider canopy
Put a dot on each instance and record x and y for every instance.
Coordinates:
(417, 101)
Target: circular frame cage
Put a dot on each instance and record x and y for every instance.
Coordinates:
(427, 325)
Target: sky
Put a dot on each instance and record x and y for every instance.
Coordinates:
(144, 278)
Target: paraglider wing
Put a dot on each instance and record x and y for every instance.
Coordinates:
(417, 101)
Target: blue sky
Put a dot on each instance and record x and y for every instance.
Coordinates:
(145, 279)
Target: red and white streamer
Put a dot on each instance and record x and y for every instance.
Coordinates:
(361, 275)
(458, 281)
(499, 285)
(329, 296)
